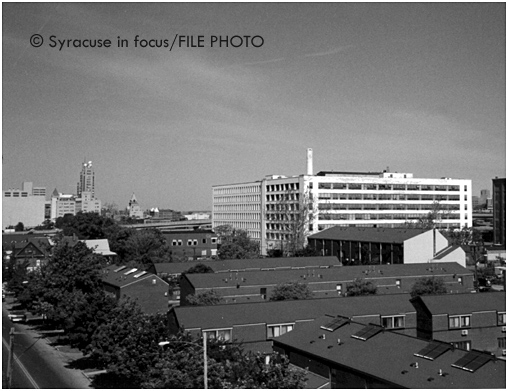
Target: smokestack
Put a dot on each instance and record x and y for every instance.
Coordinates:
(309, 162)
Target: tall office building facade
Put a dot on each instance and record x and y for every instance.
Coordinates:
(357, 199)
(86, 180)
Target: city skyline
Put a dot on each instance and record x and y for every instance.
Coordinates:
(416, 87)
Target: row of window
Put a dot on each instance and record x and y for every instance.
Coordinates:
(193, 242)
(237, 198)
(384, 206)
(387, 216)
(464, 321)
(282, 197)
(283, 187)
(388, 197)
(236, 207)
(14, 194)
(237, 190)
(384, 186)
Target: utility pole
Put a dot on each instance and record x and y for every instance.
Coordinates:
(205, 361)
(11, 358)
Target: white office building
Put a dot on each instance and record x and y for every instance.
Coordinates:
(354, 199)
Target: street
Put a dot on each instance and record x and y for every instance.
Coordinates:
(35, 364)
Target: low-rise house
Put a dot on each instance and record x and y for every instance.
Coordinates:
(35, 251)
(468, 321)
(355, 355)
(147, 289)
(256, 324)
(236, 287)
(366, 245)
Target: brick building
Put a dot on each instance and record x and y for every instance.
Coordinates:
(256, 324)
(474, 321)
(193, 244)
(258, 285)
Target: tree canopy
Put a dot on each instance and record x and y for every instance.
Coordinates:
(86, 225)
(210, 297)
(199, 268)
(428, 286)
(236, 244)
(360, 287)
(291, 291)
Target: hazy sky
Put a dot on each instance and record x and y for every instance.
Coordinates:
(416, 87)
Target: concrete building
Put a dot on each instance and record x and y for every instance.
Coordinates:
(468, 321)
(374, 246)
(62, 204)
(254, 286)
(268, 208)
(192, 244)
(134, 208)
(87, 204)
(499, 206)
(255, 325)
(351, 354)
(25, 205)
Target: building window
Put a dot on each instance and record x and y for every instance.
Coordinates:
(397, 283)
(501, 342)
(214, 240)
(459, 321)
(189, 242)
(466, 345)
(220, 334)
(195, 242)
(459, 279)
(501, 318)
(175, 242)
(280, 329)
(180, 242)
(393, 322)
(339, 289)
(262, 292)
(204, 240)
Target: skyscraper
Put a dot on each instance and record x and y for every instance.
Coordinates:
(86, 180)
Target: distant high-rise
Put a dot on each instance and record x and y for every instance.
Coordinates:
(499, 204)
(86, 180)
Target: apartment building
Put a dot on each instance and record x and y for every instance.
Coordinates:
(353, 354)
(467, 321)
(255, 286)
(268, 209)
(255, 325)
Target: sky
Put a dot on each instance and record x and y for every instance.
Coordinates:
(416, 87)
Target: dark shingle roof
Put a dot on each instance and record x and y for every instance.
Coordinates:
(389, 355)
(249, 264)
(228, 315)
(368, 234)
(120, 279)
(310, 276)
(455, 304)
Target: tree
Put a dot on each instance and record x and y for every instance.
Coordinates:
(236, 244)
(19, 227)
(210, 297)
(141, 247)
(68, 291)
(431, 219)
(428, 286)
(199, 268)
(293, 213)
(86, 225)
(360, 287)
(181, 366)
(291, 291)
(127, 344)
(45, 226)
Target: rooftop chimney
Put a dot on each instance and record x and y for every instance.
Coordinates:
(309, 162)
